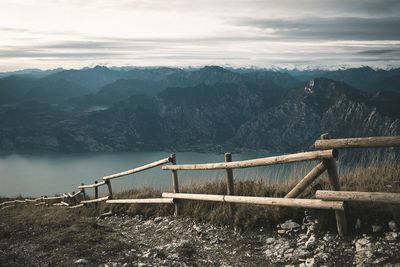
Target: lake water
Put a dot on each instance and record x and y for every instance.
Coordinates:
(50, 174)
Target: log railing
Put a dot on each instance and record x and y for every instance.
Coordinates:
(107, 180)
(326, 155)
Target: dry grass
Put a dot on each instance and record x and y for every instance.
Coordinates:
(379, 172)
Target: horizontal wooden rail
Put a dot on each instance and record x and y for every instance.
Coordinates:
(313, 155)
(138, 169)
(382, 197)
(91, 185)
(95, 200)
(54, 198)
(76, 206)
(141, 201)
(76, 194)
(7, 202)
(30, 200)
(381, 141)
(284, 202)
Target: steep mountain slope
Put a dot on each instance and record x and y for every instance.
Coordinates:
(220, 110)
(321, 106)
(117, 91)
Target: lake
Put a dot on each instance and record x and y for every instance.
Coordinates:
(50, 174)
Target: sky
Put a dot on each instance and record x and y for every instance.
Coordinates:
(301, 34)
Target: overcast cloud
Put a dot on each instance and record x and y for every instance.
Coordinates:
(298, 33)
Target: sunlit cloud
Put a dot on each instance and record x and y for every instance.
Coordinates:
(303, 33)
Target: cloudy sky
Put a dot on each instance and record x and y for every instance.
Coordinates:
(241, 33)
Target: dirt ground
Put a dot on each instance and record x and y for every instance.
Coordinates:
(60, 237)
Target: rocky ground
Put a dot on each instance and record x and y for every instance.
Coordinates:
(44, 238)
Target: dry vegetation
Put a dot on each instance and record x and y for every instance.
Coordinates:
(374, 172)
(377, 171)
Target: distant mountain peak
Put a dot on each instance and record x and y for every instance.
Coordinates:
(309, 88)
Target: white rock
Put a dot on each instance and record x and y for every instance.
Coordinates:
(289, 225)
(392, 225)
(328, 237)
(309, 262)
(82, 261)
(270, 240)
(311, 242)
(157, 219)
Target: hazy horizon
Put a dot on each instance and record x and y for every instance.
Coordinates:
(247, 33)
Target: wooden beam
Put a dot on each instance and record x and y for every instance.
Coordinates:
(76, 206)
(138, 169)
(307, 180)
(284, 202)
(175, 185)
(341, 221)
(110, 192)
(381, 197)
(141, 201)
(230, 184)
(92, 185)
(381, 141)
(94, 200)
(96, 193)
(313, 155)
(54, 198)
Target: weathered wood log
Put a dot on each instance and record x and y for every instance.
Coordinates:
(230, 184)
(54, 198)
(64, 203)
(341, 221)
(83, 193)
(30, 200)
(307, 180)
(381, 197)
(175, 185)
(381, 141)
(141, 201)
(96, 193)
(77, 193)
(7, 202)
(95, 200)
(92, 185)
(106, 214)
(61, 204)
(76, 206)
(19, 201)
(138, 169)
(284, 202)
(313, 155)
(110, 192)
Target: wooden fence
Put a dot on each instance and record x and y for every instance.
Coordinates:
(326, 155)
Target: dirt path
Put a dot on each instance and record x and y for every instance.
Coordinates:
(51, 237)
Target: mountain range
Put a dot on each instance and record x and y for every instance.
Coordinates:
(205, 109)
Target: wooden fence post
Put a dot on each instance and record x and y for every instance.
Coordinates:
(333, 175)
(175, 185)
(83, 192)
(229, 183)
(96, 193)
(110, 193)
